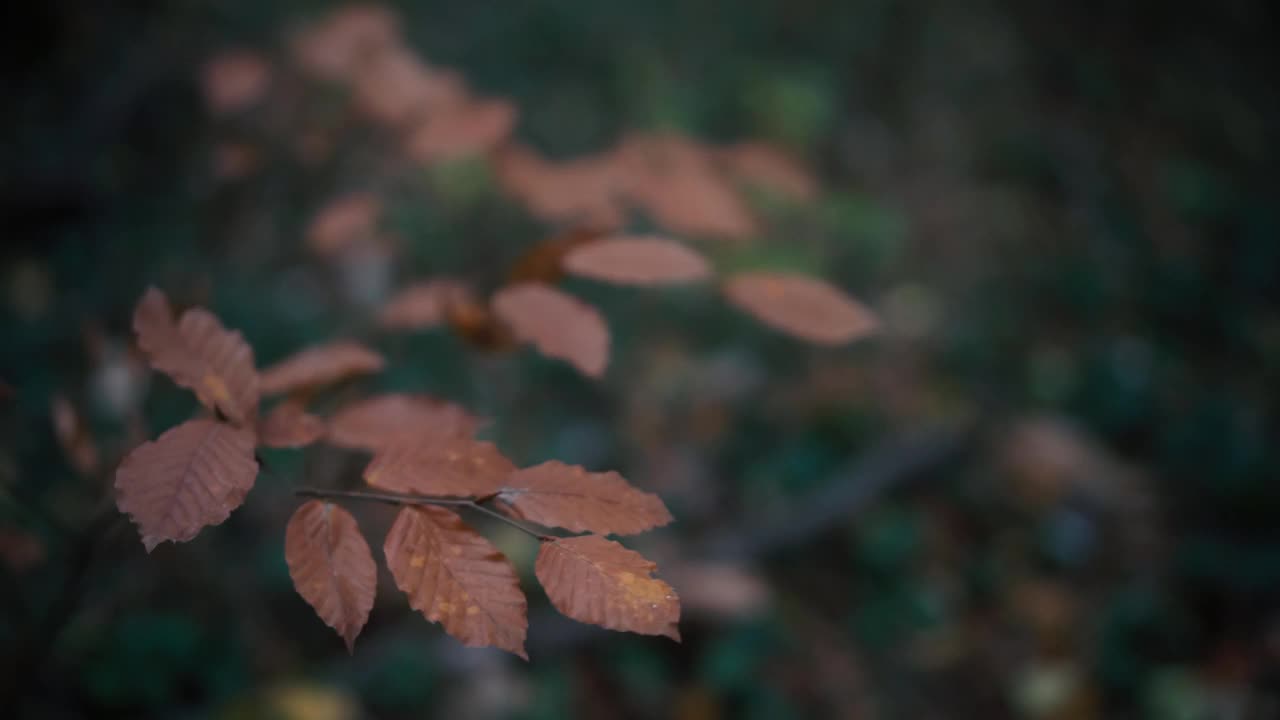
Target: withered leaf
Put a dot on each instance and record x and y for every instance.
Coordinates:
(319, 365)
(802, 306)
(441, 465)
(424, 304)
(289, 425)
(598, 581)
(558, 495)
(455, 577)
(463, 129)
(770, 168)
(74, 436)
(234, 80)
(191, 476)
(331, 566)
(637, 261)
(544, 262)
(200, 354)
(390, 419)
(558, 324)
(349, 219)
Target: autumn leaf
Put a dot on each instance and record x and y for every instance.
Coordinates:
(558, 324)
(200, 354)
(805, 307)
(192, 476)
(765, 166)
(319, 365)
(455, 577)
(558, 495)
(331, 566)
(637, 261)
(424, 304)
(234, 80)
(583, 191)
(335, 46)
(598, 581)
(346, 220)
(676, 181)
(544, 262)
(383, 420)
(440, 465)
(73, 436)
(289, 425)
(466, 128)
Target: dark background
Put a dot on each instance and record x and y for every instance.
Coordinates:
(1049, 488)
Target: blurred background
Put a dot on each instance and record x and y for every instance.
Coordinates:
(1047, 488)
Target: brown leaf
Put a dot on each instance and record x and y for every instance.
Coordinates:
(676, 181)
(558, 495)
(289, 425)
(467, 128)
(559, 325)
(598, 581)
(335, 46)
(191, 476)
(424, 304)
(585, 190)
(637, 261)
(331, 566)
(442, 465)
(455, 577)
(346, 220)
(319, 365)
(234, 80)
(770, 168)
(200, 354)
(544, 262)
(74, 436)
(390, 419)
(806, 307)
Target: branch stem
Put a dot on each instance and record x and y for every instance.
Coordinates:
(397, 499)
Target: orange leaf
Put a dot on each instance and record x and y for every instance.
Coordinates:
(558, 495)
(770, 168)
(319, 365)
(234, 80)
(391, 419)
(191, 476)
(637, 261)
(559, 325)
(805, 307)
(289, 425)
(598, 581)
(456, 466)
(424, 304)
(200, 354)
(455, 577)
(331, 566)
(344, 221)
(467, 128)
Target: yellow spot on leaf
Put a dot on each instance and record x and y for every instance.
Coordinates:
(417, 561)
(216, 388)
(472, 610)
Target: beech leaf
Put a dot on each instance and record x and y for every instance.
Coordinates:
(319, 365)
(455, 577)
(200, 354)
(558, 495)
(191, 476)
(289, 425)
(384, 420)
(454, 466)
(331, 566)
(598, 581)
(802, 306)
(637, 261)
(558, 324)
(424, 304)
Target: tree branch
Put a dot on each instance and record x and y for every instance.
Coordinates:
(397, 499)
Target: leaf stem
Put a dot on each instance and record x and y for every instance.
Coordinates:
(397, 499)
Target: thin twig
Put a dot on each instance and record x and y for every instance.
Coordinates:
(395, 499)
